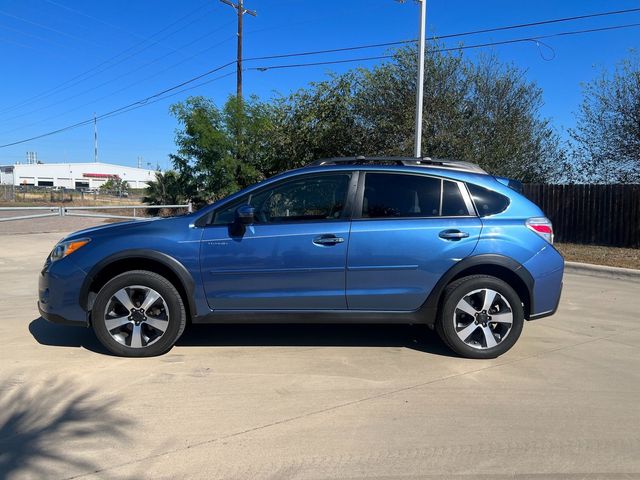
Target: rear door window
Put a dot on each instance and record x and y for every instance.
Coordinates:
(390, 195)
(453, 204)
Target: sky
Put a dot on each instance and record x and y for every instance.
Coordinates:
(61, 61)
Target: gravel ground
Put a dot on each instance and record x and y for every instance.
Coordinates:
(599, 255)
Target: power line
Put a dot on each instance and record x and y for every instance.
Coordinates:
(269, 57)
(315, 64)
(126, 87)
(78, 78)
(144, 101)
(125, 74)
(126, 107)
(448, 49)
(46, 27)
(13, 42)
(335, 50)
(542, 22)
(164, 97)
(111, 25)
(452, 35)
(33, 35)
(317, 52)
(95, 19)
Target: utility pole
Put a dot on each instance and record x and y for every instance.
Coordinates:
(420, 85)
(240, 11)
(95, 138)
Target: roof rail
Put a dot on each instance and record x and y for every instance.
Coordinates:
(404, 161)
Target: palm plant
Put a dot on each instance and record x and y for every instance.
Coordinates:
(165, 190)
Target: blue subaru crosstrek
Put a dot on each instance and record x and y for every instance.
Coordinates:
(353, 240)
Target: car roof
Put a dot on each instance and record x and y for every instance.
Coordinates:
(451, 169)
(427, 162)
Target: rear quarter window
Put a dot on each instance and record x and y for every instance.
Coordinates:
(487, 202)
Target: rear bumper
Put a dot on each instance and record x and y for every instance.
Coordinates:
(548, 313)
(547, 270)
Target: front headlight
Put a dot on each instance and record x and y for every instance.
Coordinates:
(63, 249)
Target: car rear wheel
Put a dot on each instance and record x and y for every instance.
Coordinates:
(138, 314)
(481, 317)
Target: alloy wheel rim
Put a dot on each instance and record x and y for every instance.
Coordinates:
(136, 316)
(483, 318)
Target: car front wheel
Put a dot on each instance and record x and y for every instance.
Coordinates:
(481, 317)
(138, 314)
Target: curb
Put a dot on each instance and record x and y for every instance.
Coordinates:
(602, 271)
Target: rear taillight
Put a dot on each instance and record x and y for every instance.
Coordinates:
(542, 226)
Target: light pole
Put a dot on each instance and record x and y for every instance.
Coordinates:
(95, 138)
(420, 85)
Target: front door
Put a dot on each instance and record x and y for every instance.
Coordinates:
(292, 258)
(411, 230)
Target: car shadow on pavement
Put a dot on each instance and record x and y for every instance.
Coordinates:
(415, 337)
(47, 333)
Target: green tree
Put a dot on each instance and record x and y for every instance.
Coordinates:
(319, 121)
(221, 150)
(482, 111)
(115, 186)
(607, 133)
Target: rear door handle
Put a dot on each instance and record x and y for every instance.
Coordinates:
(453, 234)
(327, 240)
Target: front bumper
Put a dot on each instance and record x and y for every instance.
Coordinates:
(59, 293)
(54, 318)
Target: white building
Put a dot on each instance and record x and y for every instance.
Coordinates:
(73, 175)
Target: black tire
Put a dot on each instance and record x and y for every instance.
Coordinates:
(177, 317)
(446, 325)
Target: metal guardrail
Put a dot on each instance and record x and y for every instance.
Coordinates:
(81, 211)
(69, 211)
(53, 212)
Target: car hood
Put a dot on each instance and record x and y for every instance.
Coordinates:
(113, 227)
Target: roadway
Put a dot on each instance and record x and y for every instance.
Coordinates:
(320, 401)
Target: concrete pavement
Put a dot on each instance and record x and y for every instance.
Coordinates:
(320, 401)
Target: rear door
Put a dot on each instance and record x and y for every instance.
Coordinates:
(407, 231)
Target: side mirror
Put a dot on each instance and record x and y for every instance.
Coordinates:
(245, 215)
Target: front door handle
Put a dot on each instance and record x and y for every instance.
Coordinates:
(327, 240)
(453, 234)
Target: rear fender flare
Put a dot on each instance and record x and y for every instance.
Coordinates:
(431, 306)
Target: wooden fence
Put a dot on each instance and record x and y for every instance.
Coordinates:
(591, 214)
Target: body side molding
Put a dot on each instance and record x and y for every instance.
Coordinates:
(426, 314)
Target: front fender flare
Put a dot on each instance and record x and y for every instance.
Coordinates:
(167, 261)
